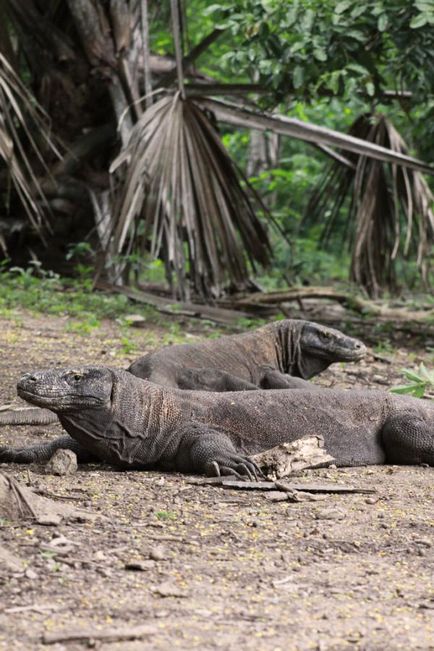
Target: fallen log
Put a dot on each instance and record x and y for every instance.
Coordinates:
(355, 303)
(166, 305)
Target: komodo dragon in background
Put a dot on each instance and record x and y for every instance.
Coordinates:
(279, 355)
(132, 423)
(274, 356)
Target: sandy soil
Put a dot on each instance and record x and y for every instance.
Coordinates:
(215, 569)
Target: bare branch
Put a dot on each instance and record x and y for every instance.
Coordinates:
(176, 27)
(146, 53)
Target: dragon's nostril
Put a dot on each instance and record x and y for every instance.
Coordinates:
(32, 378)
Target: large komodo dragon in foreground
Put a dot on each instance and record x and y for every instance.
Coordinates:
(132, 423)
(279, 355)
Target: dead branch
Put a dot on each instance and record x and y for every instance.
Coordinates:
(107, 634)
(266, 486)
(243, 117)
(356, 303)
(18, 502)
(165, 305)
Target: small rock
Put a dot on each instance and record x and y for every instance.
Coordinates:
(276, 496)
(136, 320)
(330, 514)
(426, 542)
(158, 554)
(63, 462)
(9, 561)
(379, 379)
(99, 556)
(168, 589)
(303, 496)
(371, 500)
(51, 519)
(161, 614)
(30, 574)
(104, 572)
(61, 545)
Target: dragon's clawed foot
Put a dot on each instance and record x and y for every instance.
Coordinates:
(235, 466)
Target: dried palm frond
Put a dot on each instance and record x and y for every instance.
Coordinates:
(22, 123)
(390, 209)
(244, 117)
(182, 191)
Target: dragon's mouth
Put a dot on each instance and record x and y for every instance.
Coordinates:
(343, 354)
(353, 355)
(55, 400)
(30, 396)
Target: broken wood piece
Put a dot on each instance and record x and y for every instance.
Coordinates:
(43, 609)
(266, 485)
(294, 496)
(322, 488)
(18, 502)
(112, 634)
(205, 481)
(292, 488)
(227, 482)
(277, 496)
(289, 458)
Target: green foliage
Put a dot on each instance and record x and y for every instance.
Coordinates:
(419, 382)
(250, 324)
(78, 250)
(51, 294)
(314, 47)
(84, 326)
(128, 346)
(384, 346)
(166, 515)
(297, 259)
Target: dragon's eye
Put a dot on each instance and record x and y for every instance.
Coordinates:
(325, 335)
(74, 376)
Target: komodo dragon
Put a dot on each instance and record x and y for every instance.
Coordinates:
(272, 357)
(265, 358)
(132, 423)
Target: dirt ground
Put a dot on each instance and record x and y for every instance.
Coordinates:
(215, 568)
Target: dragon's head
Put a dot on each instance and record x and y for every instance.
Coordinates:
(68, 390)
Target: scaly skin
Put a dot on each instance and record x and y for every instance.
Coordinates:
(280, 355)
(133, 423)
(275, 356)
(27, 417)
